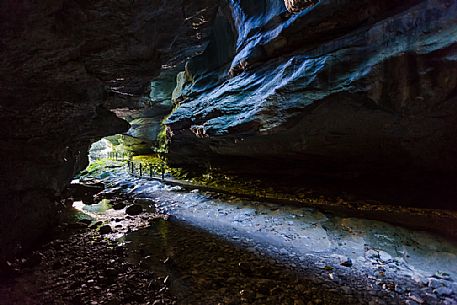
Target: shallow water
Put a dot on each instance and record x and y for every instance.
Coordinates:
(202, 269)
(291, 231)
(388, 259)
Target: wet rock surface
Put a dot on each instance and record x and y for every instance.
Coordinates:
(220, 248)
(320, 93)
(207, 270)
(64, 65)
(268, 91)
(134, 209)
(84, 191)
(195, 247)
(81, 267)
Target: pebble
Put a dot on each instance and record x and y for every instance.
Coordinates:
(86, 221)
(247, 295)
(244, 267)
(372, 254)
(118, 206)
(416, 298)
(443, 291)
(434, 283)
(106, 229)
(442, 275)
(346, 262)
(384, 256)
(449, 301)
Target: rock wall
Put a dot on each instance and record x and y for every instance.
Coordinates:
(346, 87)
(334, 86)
(64, 64)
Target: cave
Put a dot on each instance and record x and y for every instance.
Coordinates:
(228, 152)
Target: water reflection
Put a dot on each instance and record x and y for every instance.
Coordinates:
(203, 269)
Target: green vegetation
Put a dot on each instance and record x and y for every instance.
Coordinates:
(100, 168)
(162, 141)
(157, 162)
(162, 138)
(211, 178)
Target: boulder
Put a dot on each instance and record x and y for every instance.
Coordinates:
(134, 209)
(118, 205)
(105, 229)
(85, 192)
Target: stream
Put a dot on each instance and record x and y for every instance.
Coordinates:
(221, 249)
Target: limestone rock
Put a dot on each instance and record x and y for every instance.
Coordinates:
(298, 5)
(134, 209)
(106, 229)
(321, 93)
(64, 65)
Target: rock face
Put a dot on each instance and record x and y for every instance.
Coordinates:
(322, 92)
(298, 5)
(331, 86)
(63, 65)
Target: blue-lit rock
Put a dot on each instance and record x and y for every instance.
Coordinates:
(322, 92)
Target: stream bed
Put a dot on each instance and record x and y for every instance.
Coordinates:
(220, 249)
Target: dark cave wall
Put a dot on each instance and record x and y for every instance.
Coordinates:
(263, 89)
(63, 65)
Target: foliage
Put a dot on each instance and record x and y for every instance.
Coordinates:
(100, 168)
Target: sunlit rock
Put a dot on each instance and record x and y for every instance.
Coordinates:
(296, 6)
(100, 149)
(341, 88)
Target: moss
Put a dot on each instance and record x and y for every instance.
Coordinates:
(162, 141)
(157, 161)
(100, 168)
(97, 165)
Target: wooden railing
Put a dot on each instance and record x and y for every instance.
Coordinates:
(141, 169)
(118, 156)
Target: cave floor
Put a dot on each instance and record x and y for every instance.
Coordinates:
(79, 266)
(372, 261)
(201, 247)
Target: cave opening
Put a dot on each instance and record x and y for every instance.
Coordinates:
(172, 226)
(238, 152)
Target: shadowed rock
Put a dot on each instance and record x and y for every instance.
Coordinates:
(318, 92)
(63, 66)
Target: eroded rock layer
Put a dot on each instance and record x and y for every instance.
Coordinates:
(341, 86)
(274, 86)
